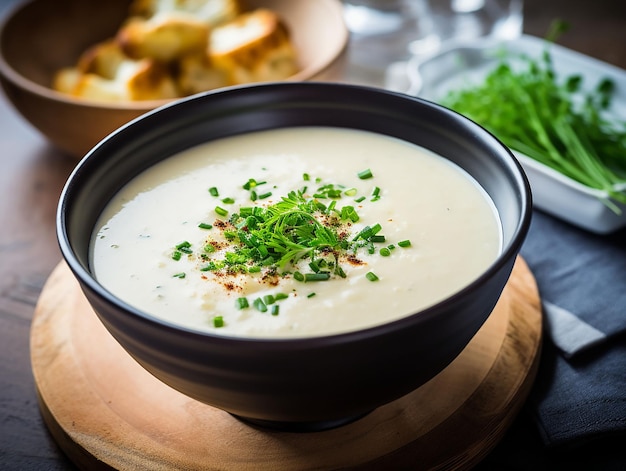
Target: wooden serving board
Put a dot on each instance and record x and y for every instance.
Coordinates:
(107, 412)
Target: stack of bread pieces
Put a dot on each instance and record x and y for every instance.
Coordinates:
(173, 48)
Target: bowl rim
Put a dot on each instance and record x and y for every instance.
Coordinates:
(7, 70)
(506, 255)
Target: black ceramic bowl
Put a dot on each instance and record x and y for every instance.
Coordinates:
(311, 383)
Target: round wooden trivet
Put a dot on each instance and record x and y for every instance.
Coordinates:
(107, 412)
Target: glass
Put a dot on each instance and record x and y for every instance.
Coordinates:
(459, 20)
(385, 34)
(385, 31)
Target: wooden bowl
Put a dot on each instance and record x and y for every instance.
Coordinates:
(39, 37)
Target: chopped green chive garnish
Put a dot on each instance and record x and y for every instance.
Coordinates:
(184, 247)
(376, 228)
(275, 309)
(218, 321)
(260, 305)
(371, 276)
(221, 211)
(179, 275)
(348, 212)
(365, 233)
(369, 234)
(331, 207)
(252, 183)
(272, 238)
(322, 276)
(365, 174)
(376, 194)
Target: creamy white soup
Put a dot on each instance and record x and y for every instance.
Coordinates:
(295, 232)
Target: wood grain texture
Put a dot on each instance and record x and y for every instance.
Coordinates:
(105, 411)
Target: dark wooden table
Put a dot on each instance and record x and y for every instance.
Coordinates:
(32, 174)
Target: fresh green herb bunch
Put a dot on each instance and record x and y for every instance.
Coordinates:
(554, 123)
(271, 239)
(297, 228)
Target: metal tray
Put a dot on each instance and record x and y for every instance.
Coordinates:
(463, 64)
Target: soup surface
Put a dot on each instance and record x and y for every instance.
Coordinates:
(295, 232)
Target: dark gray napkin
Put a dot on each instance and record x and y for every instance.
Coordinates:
(582, 278)
(580, 392)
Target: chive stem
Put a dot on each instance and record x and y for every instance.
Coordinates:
(322, 276)
(365, 174)
(221, 211)
(260, 305)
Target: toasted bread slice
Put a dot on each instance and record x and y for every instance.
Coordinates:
(134, 80)
(66, 79)
(148, 80)
(211, 12)
(103, 59)
(163, 37)
(254, 47)
(195, 73)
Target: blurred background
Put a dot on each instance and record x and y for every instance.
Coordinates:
(386, 33)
